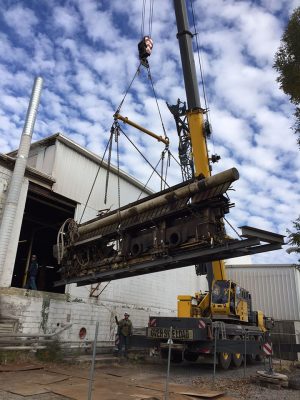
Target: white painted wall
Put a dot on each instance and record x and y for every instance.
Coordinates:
(6, 270)
(275, 289)
(5, 176)
(75, 174)
(157, 290)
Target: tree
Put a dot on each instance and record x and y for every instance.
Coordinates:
(294, 238)
(287, 63)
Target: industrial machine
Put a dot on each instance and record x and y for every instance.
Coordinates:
(180, 226)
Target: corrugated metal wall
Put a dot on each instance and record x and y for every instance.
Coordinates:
(275, 289)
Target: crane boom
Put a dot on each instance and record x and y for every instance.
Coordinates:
(194, 112)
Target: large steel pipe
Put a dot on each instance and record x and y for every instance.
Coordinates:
(189, 189)
(11, 204)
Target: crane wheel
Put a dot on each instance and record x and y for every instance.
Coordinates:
(189, 356)
(224, 360)
(176, 357)
(237, 358)
(251, 358)
(259, 357)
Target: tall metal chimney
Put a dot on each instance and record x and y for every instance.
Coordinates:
(11, 204)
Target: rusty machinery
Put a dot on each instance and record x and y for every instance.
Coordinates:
(177, 227)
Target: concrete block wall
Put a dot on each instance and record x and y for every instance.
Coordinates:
(41, 312)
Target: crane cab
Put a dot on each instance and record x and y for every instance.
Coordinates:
(229, 299)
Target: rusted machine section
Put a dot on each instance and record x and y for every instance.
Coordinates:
(177, 227)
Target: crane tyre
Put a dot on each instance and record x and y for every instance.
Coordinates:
(176, 357)
(251, 358)
(237, 358)
(224, 360)
(190, 356)
(259, 357)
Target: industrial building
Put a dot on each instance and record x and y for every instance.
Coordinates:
(58, 178)
(275, 289)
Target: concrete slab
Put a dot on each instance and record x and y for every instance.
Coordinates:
(24, 389)
(19, 367)
(46, 378)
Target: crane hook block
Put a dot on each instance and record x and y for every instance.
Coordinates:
(145, 49)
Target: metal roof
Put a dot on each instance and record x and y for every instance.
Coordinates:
(30, 172)
(50, 140)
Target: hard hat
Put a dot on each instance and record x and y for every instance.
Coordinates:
(126, 314)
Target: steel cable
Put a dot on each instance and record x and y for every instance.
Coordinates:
(101, 163)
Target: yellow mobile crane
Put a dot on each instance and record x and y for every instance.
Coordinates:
(223, 291)
(226, 301)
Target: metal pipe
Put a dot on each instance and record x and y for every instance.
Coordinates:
(23, 348)
(216, 332)
(190, 189)
(93, 363)
(245, 353)
(170, 342)
(140, 128)
(45, 335)
(11, 204)
(28, 260)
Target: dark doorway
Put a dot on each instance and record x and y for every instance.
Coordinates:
(44, 214)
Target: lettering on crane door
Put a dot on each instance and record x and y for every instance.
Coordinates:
(164, 333)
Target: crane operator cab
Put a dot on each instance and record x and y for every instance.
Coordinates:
(231, 300)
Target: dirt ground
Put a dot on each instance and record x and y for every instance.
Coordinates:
(133, 380)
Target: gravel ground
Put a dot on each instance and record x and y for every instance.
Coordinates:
(232, 381)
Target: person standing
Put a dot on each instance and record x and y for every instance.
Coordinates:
(124, 332)
(32, 273)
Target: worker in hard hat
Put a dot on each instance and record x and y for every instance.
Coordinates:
(124, 332)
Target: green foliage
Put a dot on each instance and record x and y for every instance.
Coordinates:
(51, 353)
(14, 356)
(287, 64)
(294, 238)
(287, 58)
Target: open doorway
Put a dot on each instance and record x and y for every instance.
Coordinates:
(44, 213)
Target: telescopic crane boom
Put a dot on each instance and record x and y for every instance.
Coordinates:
(194, 112)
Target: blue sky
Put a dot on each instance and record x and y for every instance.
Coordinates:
(86, 51)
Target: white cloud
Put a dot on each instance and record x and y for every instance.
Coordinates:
(21, 19)
(67, 19)
(99, 24)
(86, 51)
